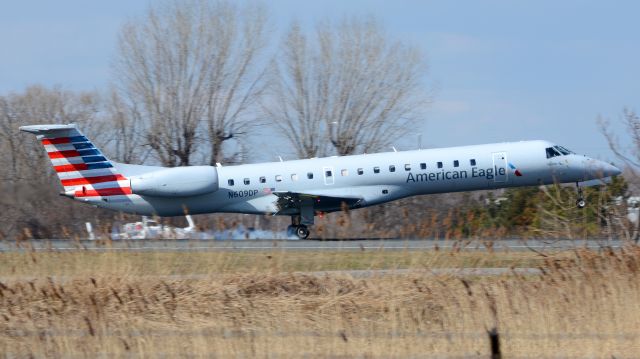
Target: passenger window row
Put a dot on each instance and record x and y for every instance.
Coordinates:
(359, 171)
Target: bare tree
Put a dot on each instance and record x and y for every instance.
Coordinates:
(190, 68)
(41, 105)
(27, 180)
(236, 79)
(630, 155)
(127, 140)
(352, 86)
(297, 101)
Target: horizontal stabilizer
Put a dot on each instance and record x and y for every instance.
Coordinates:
(46, 129)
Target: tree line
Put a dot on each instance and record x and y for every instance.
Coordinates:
(32, 208)
(192, 81)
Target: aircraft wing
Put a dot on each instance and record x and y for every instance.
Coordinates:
(294, 201)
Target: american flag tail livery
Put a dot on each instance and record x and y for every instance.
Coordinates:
(84, 172)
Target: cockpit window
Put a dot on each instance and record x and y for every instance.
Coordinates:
(557, 151)
(568, 152)
(551, 152)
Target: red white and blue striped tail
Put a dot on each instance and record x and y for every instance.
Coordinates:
(83, 170)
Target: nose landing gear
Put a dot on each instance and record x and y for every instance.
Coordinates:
(580, 202)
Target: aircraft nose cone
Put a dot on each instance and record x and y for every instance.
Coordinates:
(613, 170)
(601, 169)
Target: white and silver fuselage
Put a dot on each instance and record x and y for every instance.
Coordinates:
(372, 178)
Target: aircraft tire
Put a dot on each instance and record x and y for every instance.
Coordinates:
(302, 232)
(581, 203)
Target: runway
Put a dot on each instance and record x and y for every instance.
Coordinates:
(307, 245)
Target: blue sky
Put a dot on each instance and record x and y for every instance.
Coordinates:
(498, 70)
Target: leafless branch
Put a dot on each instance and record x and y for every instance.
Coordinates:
(187, 71)
(351, 86)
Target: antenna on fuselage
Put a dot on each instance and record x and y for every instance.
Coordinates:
(394, 149)
(280, 157)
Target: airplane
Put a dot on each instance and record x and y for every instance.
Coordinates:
(305, 188)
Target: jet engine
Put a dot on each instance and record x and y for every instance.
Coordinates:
(176, 182)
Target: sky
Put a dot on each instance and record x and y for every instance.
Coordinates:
(498, 70)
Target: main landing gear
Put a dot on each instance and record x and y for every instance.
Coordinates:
(300, 230)
(297, 228)
(580, 202)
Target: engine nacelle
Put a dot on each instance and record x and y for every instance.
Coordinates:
(176, 182)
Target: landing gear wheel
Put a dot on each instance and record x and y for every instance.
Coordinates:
(302, 231)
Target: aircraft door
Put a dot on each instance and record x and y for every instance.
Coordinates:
(328, 174)
(500, 167)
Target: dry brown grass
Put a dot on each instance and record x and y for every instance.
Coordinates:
(584, 305)
(89, 263)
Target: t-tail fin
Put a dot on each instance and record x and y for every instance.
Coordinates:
(82, 169)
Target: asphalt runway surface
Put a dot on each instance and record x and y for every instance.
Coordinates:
(306, 245)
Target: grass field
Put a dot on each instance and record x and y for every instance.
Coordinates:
(89, 263)
(261, 304)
